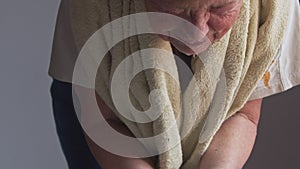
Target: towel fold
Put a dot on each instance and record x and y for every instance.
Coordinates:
(185, 120)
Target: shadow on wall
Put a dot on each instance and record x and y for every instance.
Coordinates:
(278, 142)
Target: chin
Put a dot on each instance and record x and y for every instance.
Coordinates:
(192, 50)
(185, 48)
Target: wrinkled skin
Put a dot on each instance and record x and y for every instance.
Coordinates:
(234, 141)
(212, 17)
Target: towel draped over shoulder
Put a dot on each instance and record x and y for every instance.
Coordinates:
(220, 85)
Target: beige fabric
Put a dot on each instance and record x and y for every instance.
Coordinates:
(64, 51)
(245, 54)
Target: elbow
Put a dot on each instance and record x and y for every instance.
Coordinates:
(251, 111)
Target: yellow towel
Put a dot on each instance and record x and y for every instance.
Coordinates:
(244, 54)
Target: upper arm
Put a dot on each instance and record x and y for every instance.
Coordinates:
(106, 112)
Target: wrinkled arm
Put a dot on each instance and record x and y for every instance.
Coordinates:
(108, 160)
(233, 143)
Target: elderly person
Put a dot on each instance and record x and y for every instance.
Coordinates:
(231, 145)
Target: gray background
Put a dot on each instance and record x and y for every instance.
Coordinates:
(28, 139)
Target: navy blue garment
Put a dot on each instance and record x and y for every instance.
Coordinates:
(68, 128)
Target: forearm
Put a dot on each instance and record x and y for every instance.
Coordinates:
(233, 143)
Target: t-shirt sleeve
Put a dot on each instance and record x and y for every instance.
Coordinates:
(284, 72)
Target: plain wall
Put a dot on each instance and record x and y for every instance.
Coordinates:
(28, 139)
(278, 141)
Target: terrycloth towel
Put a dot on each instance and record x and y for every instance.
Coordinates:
(244, 54)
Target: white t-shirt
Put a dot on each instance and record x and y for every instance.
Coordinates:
(284, 73)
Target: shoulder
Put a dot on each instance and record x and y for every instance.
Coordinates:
(284, 72)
